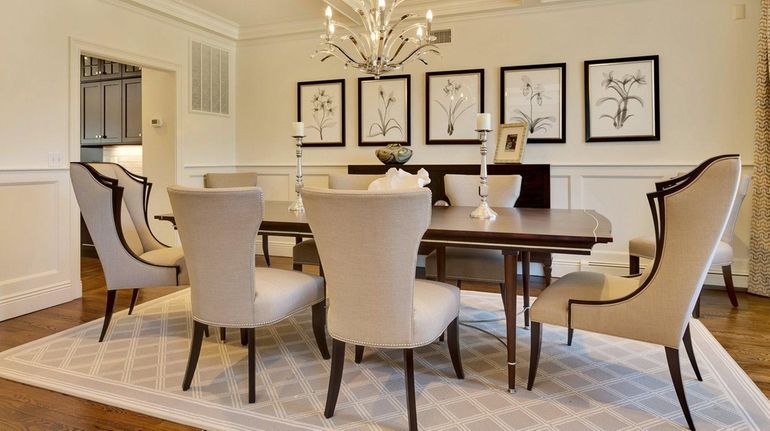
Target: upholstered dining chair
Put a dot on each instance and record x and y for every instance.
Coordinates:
(481, 265)
(113, 202)
(690, 213)
(218, 227)
(644, 247)
(306, 252)
(369, 264)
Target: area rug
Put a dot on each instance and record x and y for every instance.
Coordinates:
(600, 383)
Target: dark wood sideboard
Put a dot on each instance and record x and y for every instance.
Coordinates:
(535, 188)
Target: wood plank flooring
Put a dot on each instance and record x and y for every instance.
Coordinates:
(743, 332)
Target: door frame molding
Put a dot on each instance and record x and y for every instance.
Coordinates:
(78, 47)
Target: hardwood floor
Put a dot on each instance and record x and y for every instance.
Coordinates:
(743, 332)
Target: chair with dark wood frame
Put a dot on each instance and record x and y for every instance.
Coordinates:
(369, 265)
(114, 202)
(218, 228)
(690, 214)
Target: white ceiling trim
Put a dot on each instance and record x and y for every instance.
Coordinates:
(192, 15)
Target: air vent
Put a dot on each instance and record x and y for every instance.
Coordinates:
(442, 36)
(210, 79)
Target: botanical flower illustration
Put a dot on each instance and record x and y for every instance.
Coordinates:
(536, 95)
(323, 112)
(454, 109)
(623, 88)
(386, 123)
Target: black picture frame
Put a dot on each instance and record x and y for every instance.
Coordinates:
(563, 90)
(341, 82)
(655, 92)
(480, 106)
(408, 138)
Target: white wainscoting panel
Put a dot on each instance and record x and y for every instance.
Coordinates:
(35, 241)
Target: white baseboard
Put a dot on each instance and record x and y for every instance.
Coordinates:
(32, 300)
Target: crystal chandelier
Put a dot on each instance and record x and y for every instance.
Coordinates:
(381, 46)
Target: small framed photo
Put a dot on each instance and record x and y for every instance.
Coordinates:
(511, 140)
(536, 95)
(384, 110)
(321, 106)
(452, 100)
(622, 99)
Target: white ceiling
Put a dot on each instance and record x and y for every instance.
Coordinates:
(250, 13)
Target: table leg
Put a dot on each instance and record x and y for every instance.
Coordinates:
(266, 249)
(297, 240)
(525, 261)
(441, 264)
(511, 258)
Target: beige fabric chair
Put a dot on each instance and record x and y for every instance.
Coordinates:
(218, 228)
(114, 203)
(480, 265)
(690, 214)
(374, 299)
(723, 257)
(306, 252)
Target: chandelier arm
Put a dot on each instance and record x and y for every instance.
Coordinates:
(355, 43)
(401, 36)
(345, 59)
(422, 50)
(393, 29)
(341, 51)
(351, 33)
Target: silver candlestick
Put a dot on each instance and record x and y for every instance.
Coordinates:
(298, 206)
(483, 211)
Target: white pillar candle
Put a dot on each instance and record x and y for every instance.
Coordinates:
(483, 121)
(298, 128)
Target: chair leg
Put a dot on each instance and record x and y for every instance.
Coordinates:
(453, 335)
(633, 265)
(411, 403)
(525, 260)
(547, 269)
(502, 294)
(727, 273)
(265, 249)
(696, 310)
(335, 377)
(206, 331)
(672, 356)
(223, 334)
(134, 295)
(319, 327)
(195, 352)
(536, 338)
(252, 340)
(359, 354)
(690, 352)
(108, 313)
(570, 334)
(441, 337)
(244, 337)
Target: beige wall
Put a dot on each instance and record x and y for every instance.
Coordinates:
(706, 85)
(39, 244)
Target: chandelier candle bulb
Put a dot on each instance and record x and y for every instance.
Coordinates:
(298, 129)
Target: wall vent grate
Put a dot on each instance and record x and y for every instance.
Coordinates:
(210, 79)
(442, 36)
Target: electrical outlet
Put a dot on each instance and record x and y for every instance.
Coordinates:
(55, 159)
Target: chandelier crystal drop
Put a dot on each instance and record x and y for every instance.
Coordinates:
(383, 45)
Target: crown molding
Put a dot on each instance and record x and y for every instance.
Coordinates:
(190, 14)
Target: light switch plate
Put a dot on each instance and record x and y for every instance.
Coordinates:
(55, 159)
(739, 11)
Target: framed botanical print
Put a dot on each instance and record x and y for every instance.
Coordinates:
(622, 99)
(321, 106)
(511, 139)
(384, 110)
(452, 100)
(536, 95)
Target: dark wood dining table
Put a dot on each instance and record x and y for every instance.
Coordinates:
(515, 230)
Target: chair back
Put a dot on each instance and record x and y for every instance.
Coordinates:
(351, 182)
(690, 214)
(218, 228)
(743, 190)
(463, 190)
(238, 179)
(368, 244)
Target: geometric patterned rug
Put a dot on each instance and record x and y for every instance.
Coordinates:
(600, 383)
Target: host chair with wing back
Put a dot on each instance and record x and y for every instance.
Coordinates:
(690, 214)
(114, 203)
(306, 252)
(723, 257)
(218, 228)
(370, 264)
(481, 265)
